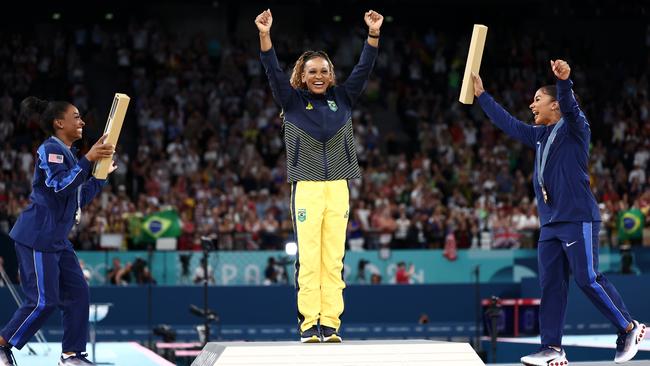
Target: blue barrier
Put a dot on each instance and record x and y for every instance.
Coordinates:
(396, 309)
(258, 312)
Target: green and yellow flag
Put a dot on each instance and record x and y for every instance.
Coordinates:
(630, 224)
(162, 224)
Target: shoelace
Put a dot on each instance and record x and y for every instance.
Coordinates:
(620, 341)
(9, 355)
(545, 347)
(82, 356)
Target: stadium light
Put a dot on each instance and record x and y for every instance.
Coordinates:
(291, 248)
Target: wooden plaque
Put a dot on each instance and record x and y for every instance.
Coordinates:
(112, 128)
(473, 64)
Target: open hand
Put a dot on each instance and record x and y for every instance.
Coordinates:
(100, 150)
(112, 168)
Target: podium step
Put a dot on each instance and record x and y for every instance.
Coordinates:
(348, 353)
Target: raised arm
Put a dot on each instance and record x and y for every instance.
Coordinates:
(356, 82)
(263, 23)
(568, 104)
(513, 127)
(278, 80)
(374, 21)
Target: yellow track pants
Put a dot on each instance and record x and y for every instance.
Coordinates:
(320, 211)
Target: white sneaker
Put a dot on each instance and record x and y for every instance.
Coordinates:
(547, 356)
(627, 344)
(78, 359)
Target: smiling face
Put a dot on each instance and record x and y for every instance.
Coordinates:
(69, 127)
(317, 75)
(313, 71)
(545, 107)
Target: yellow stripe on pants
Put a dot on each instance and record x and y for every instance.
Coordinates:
(320, 215)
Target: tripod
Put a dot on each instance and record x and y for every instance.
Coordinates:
(209, 316)
(493, 313)
(97, 313)
(477, 293)
(14, 293)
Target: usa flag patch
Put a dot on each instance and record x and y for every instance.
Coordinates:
(55, 158)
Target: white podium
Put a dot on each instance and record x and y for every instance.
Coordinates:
(97, 313)
(357, 353)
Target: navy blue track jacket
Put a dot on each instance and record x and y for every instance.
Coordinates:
(61, 184)
(566, 175)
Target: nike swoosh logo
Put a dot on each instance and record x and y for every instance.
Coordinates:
(571, 243)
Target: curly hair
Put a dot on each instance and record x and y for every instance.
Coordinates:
(299, 68)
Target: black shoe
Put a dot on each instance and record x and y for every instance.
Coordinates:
(311, 335)
(6, 357)
(330, 335)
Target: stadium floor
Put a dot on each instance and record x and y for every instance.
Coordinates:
(133, 354)
(116, 353)
(580, 349)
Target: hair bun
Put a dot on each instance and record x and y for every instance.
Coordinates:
(30, 106)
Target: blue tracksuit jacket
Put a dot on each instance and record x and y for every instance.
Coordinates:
(61, 184)
(566, 174)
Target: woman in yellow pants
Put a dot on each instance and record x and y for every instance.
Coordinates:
(321, 158)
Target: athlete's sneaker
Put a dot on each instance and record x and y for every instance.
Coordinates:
(627, 343)
(6, 357)
(311, 335)
(330, 335)
(546, 356)
(78, 359)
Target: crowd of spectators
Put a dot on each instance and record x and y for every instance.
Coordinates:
(208, 138)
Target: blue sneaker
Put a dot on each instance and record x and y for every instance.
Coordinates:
(330, 335)
(78, 359)
(6, 357)
(311, 335)
(627, 343)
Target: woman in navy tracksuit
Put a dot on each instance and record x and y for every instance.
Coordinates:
(569, 215)
(50, 273)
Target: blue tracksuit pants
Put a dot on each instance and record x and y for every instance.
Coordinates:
(572, 247)
(50, 280)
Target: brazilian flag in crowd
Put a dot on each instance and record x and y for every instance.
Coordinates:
(162, 224)
(630, 224)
